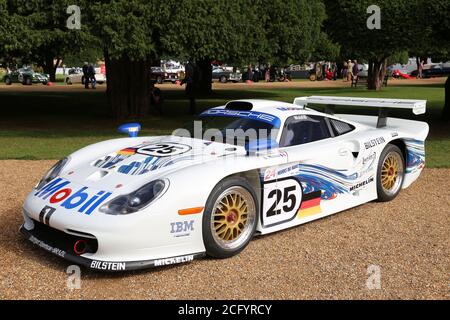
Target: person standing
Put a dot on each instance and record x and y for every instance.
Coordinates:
(267, 73)
(355, 69)
(190, 86)
(349, 70)
(91, 76)
(420, 73)
(85, 78)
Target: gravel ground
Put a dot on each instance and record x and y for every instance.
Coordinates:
(326, 259)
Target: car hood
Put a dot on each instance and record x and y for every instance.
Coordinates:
(146, 160)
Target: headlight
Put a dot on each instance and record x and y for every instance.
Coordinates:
(136, 200)
(52, 173)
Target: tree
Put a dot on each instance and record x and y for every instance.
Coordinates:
(437, 44)
(244, 31)
(401, 27)
(130, 32)
(36, 31)
(203, 30)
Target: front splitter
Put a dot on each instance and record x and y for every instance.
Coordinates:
(107, 266)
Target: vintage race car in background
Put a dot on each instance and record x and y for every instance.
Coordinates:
(25, 76)
(142, 202)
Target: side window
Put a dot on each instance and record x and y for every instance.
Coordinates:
(340, 127)
(303, 129)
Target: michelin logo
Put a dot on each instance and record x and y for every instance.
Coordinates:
(361, 184)
(176, 260)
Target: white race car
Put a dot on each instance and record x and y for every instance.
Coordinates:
(141, 202)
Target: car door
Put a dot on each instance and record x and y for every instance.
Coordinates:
(319, 167)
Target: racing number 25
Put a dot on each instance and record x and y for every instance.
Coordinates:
(281, 200)
(287, 196)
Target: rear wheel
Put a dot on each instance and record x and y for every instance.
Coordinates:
(230, 218)
(223, 79)
(159, 79)
(8, 81)
(391, 172)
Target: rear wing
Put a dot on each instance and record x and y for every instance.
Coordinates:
(383, 105)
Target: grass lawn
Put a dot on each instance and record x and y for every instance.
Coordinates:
(50, 125)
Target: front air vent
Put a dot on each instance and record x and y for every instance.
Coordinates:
(239, 105)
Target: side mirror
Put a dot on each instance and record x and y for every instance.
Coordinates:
(132, 129)
(261, 145)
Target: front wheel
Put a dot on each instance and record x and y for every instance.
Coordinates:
(391, 172)
(8, 81)
(230, 218)
(223, 79)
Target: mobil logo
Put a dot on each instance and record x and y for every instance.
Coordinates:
(59, 191)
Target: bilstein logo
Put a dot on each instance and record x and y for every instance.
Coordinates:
(103, 265)
(374, 142)
(56, 192)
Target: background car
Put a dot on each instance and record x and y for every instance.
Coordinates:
(436, 71)
(363, 70)
(224, 75)
(161, 75)
(76, 76)
(25, 76)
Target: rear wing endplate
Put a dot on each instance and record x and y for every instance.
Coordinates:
(383, 105)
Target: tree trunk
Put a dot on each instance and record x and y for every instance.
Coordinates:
(128, 87)
(446, 111)
(376, 74)
(50, 67)
(204, 77)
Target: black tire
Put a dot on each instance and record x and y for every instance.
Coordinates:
(159, 80)
(68, 81)
(212, 244)
(223, 79)
(396, 177)
(8, 81)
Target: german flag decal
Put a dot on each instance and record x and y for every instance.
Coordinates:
(310, 204)
(127, 152)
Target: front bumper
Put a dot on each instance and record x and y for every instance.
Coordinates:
(58, 243)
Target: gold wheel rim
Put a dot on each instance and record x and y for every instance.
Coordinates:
(233, 217)
(392, 173)
(230, 217)
(389, 172)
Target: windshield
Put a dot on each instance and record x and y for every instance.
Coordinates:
(228, 129)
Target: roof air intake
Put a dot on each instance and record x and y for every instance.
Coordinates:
(239, 105)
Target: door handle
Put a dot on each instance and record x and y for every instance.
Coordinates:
(343, 152)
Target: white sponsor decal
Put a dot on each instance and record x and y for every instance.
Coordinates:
(164, 149)
(103, 265)
(176, 260)
(47, 247)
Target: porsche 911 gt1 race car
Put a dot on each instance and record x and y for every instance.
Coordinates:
(142, 202)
